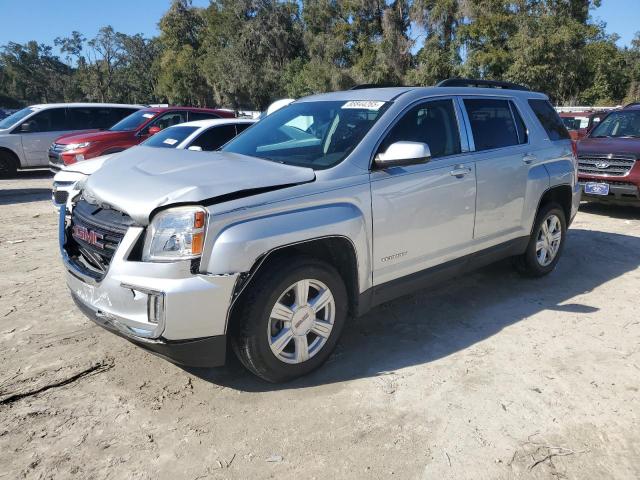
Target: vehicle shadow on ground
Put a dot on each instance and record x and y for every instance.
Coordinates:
(613, 211)
(12, 196)
(433, 324)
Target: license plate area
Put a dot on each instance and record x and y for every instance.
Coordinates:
(596, 188)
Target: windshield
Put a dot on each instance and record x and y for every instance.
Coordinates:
(170, 137)
(309, 134)
(11, 120)
(133, 121)
(619, 124)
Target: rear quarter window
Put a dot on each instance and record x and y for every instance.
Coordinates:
(549, 119)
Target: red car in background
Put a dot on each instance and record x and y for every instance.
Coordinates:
(128, 132)
(609, 159)
(580, 124)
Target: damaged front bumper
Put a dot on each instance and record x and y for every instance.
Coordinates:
(162, 307)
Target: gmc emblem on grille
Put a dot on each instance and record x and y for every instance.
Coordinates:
(88, 236)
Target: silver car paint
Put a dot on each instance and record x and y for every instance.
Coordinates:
(181, 176)
(422, 215)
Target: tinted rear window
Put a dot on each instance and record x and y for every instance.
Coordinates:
(493, 124)
(549, 119)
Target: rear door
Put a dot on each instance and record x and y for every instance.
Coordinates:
(423, 214)
(501, 151)
(44, 128)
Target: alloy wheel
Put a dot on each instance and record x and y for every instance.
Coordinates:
(548, 240)
(301, 321)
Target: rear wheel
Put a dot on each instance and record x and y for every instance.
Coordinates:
(546, 242)
(8, 165)
(290, 319)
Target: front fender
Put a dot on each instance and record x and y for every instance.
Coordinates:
(239, 246)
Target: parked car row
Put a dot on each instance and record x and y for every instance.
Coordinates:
(83, 130)
(580, 124)
(323, 209)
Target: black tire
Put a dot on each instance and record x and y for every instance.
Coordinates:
(251, 318)
(8, 165)
(528, 263)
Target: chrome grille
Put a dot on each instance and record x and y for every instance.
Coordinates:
(111, 225)
(606, 165)
(54, 154)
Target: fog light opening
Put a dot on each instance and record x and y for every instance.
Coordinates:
(155, 307)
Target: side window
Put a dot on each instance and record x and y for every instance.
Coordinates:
(549, 119)
(170, 119)
(241, 127)
(50, 120)
(80, 118)
(193, 116)
(492, 123)
(433, 123)
(214, 138)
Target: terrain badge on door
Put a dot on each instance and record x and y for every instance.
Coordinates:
(395, 256)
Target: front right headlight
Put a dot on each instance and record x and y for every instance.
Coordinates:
(175, 234)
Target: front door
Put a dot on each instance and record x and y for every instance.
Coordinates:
(423, 215)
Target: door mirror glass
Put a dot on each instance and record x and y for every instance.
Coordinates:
(403, 153)
(25, 127)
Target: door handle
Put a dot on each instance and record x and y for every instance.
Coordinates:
(460, 172)
(528, 158)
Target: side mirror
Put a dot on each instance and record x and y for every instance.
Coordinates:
(25, 127)
(403, 153)
(195, 148)
(153, 130)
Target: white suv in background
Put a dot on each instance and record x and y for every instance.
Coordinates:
(26, 135)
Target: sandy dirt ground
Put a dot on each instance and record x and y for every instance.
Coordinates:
(487, 377)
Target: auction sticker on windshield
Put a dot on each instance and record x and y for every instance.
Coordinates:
(363, 104)
(170, 141)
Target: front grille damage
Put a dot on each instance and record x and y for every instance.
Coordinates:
(93, 236)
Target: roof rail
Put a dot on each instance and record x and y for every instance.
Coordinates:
(473, 82)
(371, 85)
(632, 104)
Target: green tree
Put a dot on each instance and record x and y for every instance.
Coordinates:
(180, 78)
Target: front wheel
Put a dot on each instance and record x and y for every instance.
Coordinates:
(8, 165)
(545, 244)
(290, 319)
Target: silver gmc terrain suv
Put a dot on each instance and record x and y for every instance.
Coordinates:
(322, 210)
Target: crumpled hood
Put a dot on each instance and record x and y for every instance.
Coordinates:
(589, 145)
(139, 180)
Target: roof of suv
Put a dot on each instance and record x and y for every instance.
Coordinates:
(387, 94)
(189, 109)
(42, 106)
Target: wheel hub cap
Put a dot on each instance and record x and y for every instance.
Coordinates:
(303, 319)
